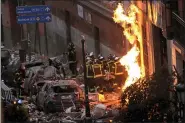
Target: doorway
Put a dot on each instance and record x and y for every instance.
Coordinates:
(97, 40)
(2, 31)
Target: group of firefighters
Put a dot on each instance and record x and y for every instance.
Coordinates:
(99, 70)
(96, 67)
(104, 72)
(99, 67)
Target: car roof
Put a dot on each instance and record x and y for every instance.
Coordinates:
(64, 82)
(46, 81)
(35, 68)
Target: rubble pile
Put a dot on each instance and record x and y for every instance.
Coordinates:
(57, 92)
(71, 115)
(41, 117)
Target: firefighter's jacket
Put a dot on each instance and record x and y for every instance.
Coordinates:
(104, 66)
(94, 70)
(118, 68)
(97, 70)
(111, 66)
(115, 67)
(72, 55)
(89, 70)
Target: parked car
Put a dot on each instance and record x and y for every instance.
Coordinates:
(42, 73)
(30, 73)
(37, 86)
(58, 95)
(5, 56)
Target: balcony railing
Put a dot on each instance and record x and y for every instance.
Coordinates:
(178, 29)
(110, 4)
(181, 14)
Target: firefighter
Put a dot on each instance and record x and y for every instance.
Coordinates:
(110, 64)
(103, 64)
(91, 55)
(19, 78)
(119, 71)
(60, 69)
(22, 70)
(72, 58)
(87, 58)
(90, 74)
(89, 70)
(110, 71)
(97, 68)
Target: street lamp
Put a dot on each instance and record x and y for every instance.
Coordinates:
(180, 89)
(87, 107)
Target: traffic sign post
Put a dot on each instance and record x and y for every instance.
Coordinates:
(33, 9)
(33, 14)
(28, 19)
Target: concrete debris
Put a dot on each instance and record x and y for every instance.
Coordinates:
(102, 105)
(99, 111)
(70, 116)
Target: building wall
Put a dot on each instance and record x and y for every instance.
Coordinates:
(147, 35)
(111, 35)
(176, 51)
(56, 31)
(10, 27)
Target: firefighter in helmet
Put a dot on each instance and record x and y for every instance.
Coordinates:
(119, 70)
(19, 79)
(103, 63)
(72, 58)
(110, 64)
(91, 55)
(118, 66)
(89, 69)
(97, 68)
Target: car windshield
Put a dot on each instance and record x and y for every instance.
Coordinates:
(63, 89)
(41, 84)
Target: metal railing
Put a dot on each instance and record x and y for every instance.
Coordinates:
(110, 4)
(178, 29)
(181, 14)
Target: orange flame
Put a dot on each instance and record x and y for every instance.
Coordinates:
(133, 34)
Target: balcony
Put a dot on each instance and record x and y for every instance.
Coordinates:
(103, 7)
(178, 29)
(181, 14)
(110, 4)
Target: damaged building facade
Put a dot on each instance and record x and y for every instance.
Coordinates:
(93, 19)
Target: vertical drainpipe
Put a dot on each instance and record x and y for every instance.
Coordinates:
(45, 33)
(97, 40)
(169, 49)
(169, 42)
(68, 26)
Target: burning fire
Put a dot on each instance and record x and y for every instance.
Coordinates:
(133, 34)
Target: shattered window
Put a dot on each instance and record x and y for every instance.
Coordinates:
(63, 89)
(41, 84)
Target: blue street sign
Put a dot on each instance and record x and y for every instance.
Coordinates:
(33, 9)
(34, 19)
